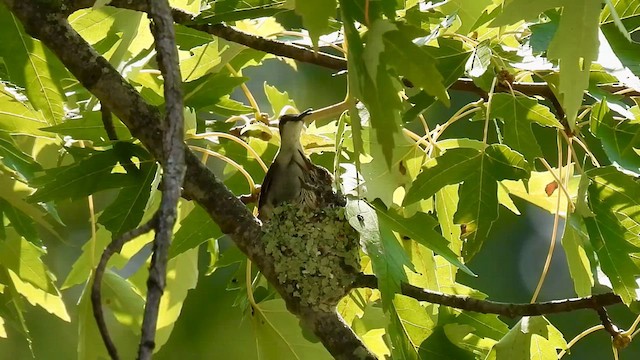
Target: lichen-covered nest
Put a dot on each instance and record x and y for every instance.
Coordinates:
(315, 252)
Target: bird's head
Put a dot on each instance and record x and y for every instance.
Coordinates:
(290, 127)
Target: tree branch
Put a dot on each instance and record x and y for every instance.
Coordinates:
(96, 287)
(491, 307)
(49, 24)
(173, 168)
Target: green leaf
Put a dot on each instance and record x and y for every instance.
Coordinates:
(51, 302)
(542, 189)
(531, 338)
(17, 117)
(89, 127)
(278, 334)
(232, 10)
(452, 167)
(387, 255)
(420, 228)
(518, 113)
(627, 52)
(97, 172)
(478, 206)
(32, 66)
(410, 325)
(618, 137)
(122, 298)
(480, 60)
(413, 62)
(15, 159)
(614, 198)
(82, 269)
(24, 260)
(126, 211)
(475, 332)
(370, 81)
(315, 17)
(202, 61)
(182, 276)
(575, 242)
(21, 223)
(196, 228)
(469, 11)
(206, 91)
(14, 192)
(277, 99)
(381, 177)
(575, 43)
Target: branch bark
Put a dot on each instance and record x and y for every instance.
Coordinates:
(510, 310)
(173, 169)
(47, 22)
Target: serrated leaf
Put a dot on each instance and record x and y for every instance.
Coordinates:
(469, 11)
(14, 193)
(126, 211)
(452, 167)
(420, 228)
(206, 91)
(413, 62)
(370, 81)
(627, 52)
(518, 113)
(82, 269)
(32, 66)
(532, 338)
(618, 137)
(22, 224)
(381, 177)
(24, 260)
(202, 61)
(232, 10)
(575, 43)
(614, 232)
(387, 256)
(277, 99)
(15, 159)
(480, 60)
(315, 17)
(196, 228)
(478, 206)
(87, 176)
(51, 302)
(410, 325)
(278, 334)
(89, 127)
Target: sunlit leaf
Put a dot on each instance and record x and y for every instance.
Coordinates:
(614, 232)
(51, 302)
(89, 127)
(24, 259)
(533, 338)
(315, 16)
(619, 137)
(32, 66)
(518, 113)
(278, 335)
(387, 255)
(196, 228)
(17, 117)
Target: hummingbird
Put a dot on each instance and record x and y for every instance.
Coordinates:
(292, 177)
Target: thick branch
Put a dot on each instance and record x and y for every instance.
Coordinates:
(143, 120)
(491, 307)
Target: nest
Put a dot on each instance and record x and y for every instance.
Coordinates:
(315, 251)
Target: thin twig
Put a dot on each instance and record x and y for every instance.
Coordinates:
(173, 168)
(492, 307)
(107, 122)
(96, 288)
(606, 322)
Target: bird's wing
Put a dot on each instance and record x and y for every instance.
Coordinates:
(264, 190)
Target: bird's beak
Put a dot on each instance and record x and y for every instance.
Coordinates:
(301, 116)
